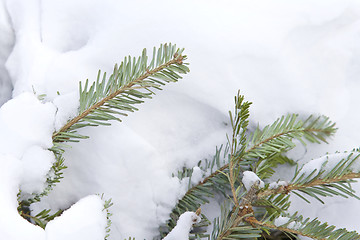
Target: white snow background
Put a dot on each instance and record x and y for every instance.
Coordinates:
(296, 56)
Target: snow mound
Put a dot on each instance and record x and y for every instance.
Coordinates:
(183, 226)
(24, 122)
(84, 220)
(36, 163)
(250, 178)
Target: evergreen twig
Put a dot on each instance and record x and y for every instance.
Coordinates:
(108, 98)
(239, 123)
(308, 228)
(269, 140)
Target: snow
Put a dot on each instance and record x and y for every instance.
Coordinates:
(27, 125)
(67, 108)
(281, 221)
(250, 178)
(24, 122)
(298, 56)
(36, 163)
(197, 175)
(10, 221)
(27, 62)
(327, 162)
(277, 184)
(284, 220)
(183, 226)
(6, 43)
(84, 220)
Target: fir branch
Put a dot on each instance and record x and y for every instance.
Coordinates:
(323, 182)
(262, 140)
(130, 82)
(348, 178)
(278, 138)
(275, 204)
(319, 187)
(323, 126)
(328, 130)
(199, 194)
(283, 130)
(107, 205)
(327, 181)
(107, 99)
(314, 130)
(265, 169)
(239, 125)
(229, 225)
(53, 177)
(308, 228)
(318, 129)
(42, 218)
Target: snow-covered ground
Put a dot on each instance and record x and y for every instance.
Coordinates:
(286, 56)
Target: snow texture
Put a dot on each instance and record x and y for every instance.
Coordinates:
(277, 184)
(183, 226)
(326, 163)
(280, 221)
(250, 178)
(84, 220)
(300, 56)
(67, 108)
(24, 122)
(12, 225)
(26, 126)
(6, 45)
(36, 163)
(197, 175)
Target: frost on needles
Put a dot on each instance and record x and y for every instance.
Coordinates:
(238, 174)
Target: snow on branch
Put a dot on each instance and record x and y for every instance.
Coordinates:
(132, 81)
(184, 225)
